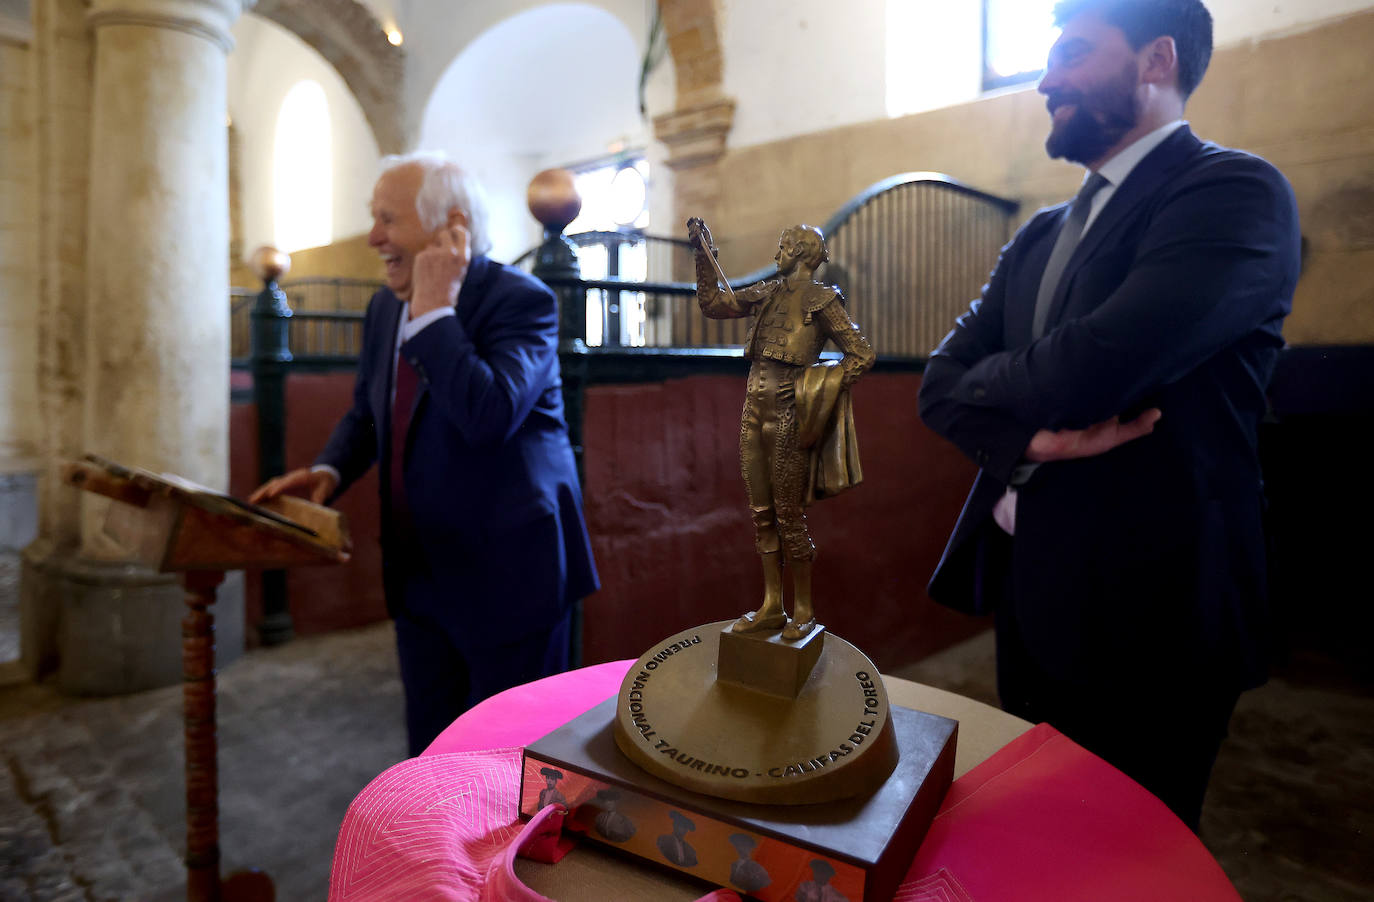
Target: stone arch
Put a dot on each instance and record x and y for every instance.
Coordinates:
(347, 35)
(517, 52)
(694, 41)
(695, 130)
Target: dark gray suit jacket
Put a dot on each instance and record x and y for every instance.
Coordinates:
(1150, 557)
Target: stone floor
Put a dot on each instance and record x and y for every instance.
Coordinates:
(91, 804)
(1290, 809)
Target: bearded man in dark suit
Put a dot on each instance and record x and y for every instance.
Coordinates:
(459, 401)
(1109, 384)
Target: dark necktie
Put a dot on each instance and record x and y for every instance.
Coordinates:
(407, 385)
(1064, 247)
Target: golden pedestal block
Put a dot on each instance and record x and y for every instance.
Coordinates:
(677, 721)
(766, 662)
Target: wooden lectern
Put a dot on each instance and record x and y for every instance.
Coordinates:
(173, 525)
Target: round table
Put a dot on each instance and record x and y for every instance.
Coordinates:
(1030, 816)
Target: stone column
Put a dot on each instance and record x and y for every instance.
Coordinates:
(155, 370)
(157, 373)
(19, 419)
(62, 105)
(695, 131)
(695, 136)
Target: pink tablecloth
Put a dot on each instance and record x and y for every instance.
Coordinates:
(1042, 819)
(521, 715)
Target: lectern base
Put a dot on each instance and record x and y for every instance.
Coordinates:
(111, 628)
(248, 886)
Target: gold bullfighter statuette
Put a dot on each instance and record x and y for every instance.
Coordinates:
(797, 441)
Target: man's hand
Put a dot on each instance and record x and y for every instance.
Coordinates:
(439, 270)
(700, 236)
(317, 485)
(1068, 444)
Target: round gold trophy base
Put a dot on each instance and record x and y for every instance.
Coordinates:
(834, 739)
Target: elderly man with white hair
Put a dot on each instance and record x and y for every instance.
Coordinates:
(458, 401)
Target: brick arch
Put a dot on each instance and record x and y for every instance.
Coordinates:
(693, 37)
(694, 132)
(347, 35)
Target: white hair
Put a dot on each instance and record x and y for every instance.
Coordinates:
(446, 186)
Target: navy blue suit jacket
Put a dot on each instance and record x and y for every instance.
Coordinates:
(1149, 559)
(496, 545)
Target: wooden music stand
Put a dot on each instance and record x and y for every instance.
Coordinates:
(173, 525)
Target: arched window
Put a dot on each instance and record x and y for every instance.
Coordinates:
(303, 171)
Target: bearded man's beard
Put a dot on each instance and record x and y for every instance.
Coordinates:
(1102, 116)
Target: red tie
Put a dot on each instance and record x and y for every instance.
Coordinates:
(407, 384)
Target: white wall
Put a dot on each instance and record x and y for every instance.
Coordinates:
(384, 11)
(437, 31)
(488, 80)
(266, 62)
(492, 80)
(801, 66)
(1234, 21)
(552, 85)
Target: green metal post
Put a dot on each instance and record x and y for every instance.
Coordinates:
(271, 355)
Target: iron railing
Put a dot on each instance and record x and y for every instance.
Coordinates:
(240, 332)
(619, 317)
(668, 258)
(326, 323)
(910, 253)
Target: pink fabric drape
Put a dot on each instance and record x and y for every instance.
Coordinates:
(1042, 819)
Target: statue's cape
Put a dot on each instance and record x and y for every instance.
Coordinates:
(825, 419)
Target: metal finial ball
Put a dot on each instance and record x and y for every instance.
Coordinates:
(553, 198)
(269, 263)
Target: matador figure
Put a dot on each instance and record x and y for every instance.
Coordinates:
(797, 430)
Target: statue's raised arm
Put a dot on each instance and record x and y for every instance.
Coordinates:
(714, 295)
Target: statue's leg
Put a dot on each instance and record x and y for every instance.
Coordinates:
(770, 615)
(790, 464)
(756, 428)
(803, 615)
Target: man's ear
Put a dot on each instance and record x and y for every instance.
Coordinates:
(457, 217)
(1160, 62)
